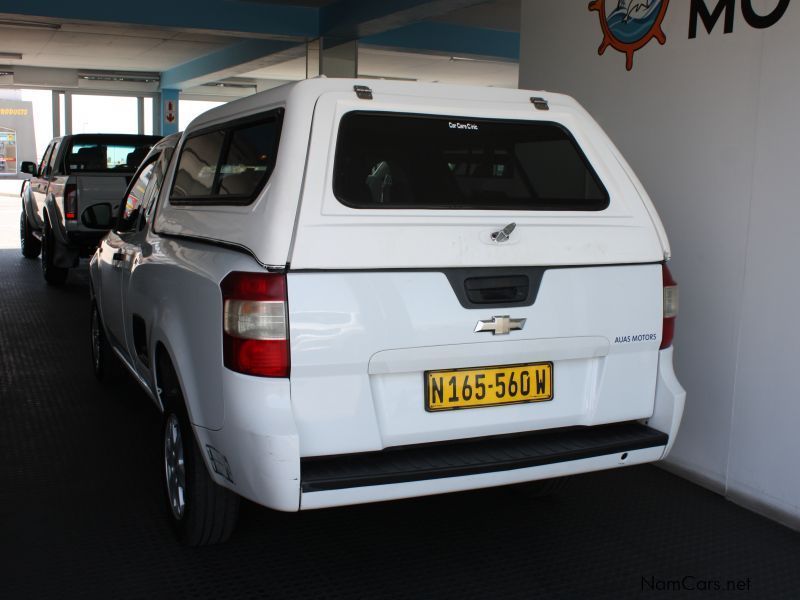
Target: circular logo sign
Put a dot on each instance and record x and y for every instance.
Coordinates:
(629, 25)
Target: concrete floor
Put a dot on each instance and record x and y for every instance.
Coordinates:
(9, 221)
(81, 510)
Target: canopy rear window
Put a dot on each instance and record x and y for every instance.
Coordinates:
(107, 154)
(391, 160)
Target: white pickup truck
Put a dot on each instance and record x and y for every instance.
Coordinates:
(343, 291)
(72, 198)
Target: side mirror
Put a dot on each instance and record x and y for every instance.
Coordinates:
(28, 167)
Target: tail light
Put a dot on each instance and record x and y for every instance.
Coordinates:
(255, 324)
(670, 306)
(71, 202)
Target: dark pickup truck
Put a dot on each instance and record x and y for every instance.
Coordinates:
(73, 196)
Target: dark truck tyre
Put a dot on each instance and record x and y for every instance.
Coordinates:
(52, 274)
(202, 513)
(28, 243)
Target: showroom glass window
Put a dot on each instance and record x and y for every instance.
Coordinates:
(229, 165)
(391, 160)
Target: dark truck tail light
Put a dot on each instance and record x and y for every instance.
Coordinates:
(670, 306)
(255, 324)
(71, 202)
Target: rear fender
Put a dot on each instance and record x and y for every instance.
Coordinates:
(167, 335)
(669, 401)
(29, 208)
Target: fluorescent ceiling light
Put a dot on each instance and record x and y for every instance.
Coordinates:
(483, 60)
(119, 76)
(231, 84)
(11, 55)
(30, 24)
(385, 77)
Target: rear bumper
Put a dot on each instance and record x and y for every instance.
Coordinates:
(260, 448)
(379, 493)
(476, 457)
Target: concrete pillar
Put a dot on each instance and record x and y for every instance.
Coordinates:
(140, 113)
(332, 57)
(169, 111)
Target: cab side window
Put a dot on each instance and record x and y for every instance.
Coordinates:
(135, 198)
(51, 163)
(45, 160)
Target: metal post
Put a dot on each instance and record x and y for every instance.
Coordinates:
(67, 112)
(338, 58)
(140, 113)
(56, 114)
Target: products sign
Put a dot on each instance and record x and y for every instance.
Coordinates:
(8, 150)
(17, 141)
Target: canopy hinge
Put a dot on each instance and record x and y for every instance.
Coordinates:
(363, 92)
(540, 103)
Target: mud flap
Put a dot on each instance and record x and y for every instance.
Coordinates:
(63, 256)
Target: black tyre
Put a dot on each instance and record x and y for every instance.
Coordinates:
(52, 274)
(201, 512)
(105, 364)
(28, 243)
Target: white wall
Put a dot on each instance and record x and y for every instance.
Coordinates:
(712, 127)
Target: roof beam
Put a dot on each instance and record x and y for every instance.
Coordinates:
(278, 20)
(239, 57)
(451, 40)
(351, 19)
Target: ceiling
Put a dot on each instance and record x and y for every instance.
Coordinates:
(151, 49)
(106, 47)
(376, 62)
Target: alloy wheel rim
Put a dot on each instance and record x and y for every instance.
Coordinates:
(175, 467)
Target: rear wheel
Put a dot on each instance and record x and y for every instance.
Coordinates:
(201, 512)
(28, 243)
(52, 274)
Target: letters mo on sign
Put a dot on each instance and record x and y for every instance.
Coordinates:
(629, 25)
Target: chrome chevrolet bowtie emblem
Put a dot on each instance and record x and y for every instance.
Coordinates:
(500, 325)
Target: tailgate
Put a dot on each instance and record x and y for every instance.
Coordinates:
(362, 342)
(99, 189)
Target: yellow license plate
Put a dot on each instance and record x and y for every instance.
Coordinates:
(488, 386)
